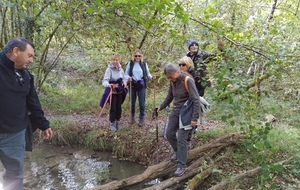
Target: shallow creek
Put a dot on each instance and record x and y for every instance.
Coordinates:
(61, 168)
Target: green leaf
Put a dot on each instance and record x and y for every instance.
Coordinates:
(232, 123)
(223, 117)
(258, 145)
(89, 10)
(215, 170)
(276, 168)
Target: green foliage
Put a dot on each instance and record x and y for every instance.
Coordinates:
(65, 132)
(74, 41)
(81, 96)
(95, 140)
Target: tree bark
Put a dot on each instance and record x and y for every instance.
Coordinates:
(192, 170)
(272, 11)
(166, 168)
(199, 178)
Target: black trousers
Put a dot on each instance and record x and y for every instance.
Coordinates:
(115, 108)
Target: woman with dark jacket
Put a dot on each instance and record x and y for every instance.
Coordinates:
(177, 132)
(186, 65)
(198, 58)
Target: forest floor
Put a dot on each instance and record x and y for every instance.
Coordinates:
(140, 142)
(162, 152)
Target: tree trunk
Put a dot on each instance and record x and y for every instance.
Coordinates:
(167, 168)
(199, 178)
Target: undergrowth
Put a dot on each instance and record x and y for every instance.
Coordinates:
(265, 144)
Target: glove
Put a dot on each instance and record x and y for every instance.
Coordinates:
(155, 113)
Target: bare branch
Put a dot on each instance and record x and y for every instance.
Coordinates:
(271, 15)
(241, 176)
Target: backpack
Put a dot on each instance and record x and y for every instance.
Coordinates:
(204, 105)
(185, 83)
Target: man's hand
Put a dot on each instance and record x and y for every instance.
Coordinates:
(193, 123)
(47, 134)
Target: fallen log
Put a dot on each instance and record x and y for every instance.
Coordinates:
(192, 170)
(152, 172)
(166, 168)
(199, 178)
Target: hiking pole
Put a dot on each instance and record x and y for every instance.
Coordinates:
(154, 96)
(155, 115)
(165, 124)
(109, 97)
(130, 100)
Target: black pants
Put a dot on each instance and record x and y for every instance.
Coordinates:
(200, 88)
(115, 108)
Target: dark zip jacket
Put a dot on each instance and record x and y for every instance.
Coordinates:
(179, 95)
(17, 100)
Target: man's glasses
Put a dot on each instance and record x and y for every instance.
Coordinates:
(137, 56)
(182, 64)
(20, 78)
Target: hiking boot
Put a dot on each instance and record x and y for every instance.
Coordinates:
(113, 126)
(179, 172)
(118, 125)
(141, 123)
(132, 121)
(174, 158)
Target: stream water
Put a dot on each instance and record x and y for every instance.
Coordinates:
(61, 168)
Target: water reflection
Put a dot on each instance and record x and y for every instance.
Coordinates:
(55, 168)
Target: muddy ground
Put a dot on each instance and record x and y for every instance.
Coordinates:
(162, 150)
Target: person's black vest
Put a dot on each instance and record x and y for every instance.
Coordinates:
(142, 65)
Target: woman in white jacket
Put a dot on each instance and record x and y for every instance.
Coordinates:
(114, 79)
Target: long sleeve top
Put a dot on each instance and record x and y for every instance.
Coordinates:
(17, 99)
(113, 74)
(179, 95)
(137, 71)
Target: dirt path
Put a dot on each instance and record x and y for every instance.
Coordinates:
(163, 150)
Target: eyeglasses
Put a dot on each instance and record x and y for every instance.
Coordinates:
(182, 64)
(20, 78)
(137, 56)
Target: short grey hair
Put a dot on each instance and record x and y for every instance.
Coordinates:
(170, 68)
(20, 43)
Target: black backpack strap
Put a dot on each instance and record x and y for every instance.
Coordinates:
(143, 66)
(131, 68)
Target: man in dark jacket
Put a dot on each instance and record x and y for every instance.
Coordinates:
(18, 97)
(179, 94)
(201, 78)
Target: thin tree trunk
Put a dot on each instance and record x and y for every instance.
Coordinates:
(271, 15)
(242, 176)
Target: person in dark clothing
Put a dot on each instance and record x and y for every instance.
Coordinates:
(186, 65)
(18, 97)
(198, 58)
(178, 123)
